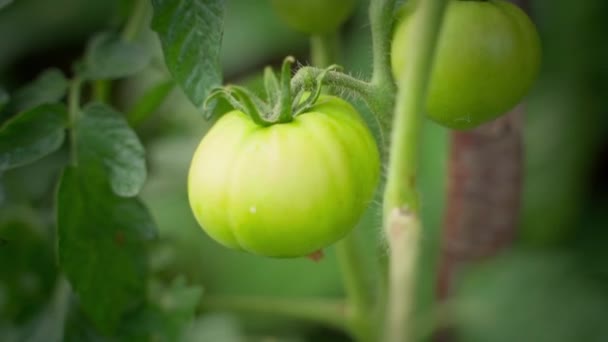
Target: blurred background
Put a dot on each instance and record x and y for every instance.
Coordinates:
(552, 285)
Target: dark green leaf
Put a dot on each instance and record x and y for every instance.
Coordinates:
(149, 102)
(109, 56)
(48, 87)
(102, 244)
(32, 135)
(105, 139)
(190, 32)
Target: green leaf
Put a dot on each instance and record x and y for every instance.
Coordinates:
(102, 245)
(109, 56)
(149, 102)
(191, 32)
(49, 87)
(105, 139)
(32, 135)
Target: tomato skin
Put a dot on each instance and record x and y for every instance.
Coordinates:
(314, 16)
(487, 59)
(286, 190)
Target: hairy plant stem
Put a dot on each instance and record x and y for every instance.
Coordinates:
(401, 207)
(378, 102)
(73, 116)
(381, 13)
(333, 313)
(355, 277)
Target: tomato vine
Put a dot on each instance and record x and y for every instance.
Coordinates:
(282, 175)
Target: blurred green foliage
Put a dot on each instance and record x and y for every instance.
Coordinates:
(552, 287)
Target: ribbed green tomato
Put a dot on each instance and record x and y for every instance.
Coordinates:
(487, 58)
(314, 16)
(286, 190)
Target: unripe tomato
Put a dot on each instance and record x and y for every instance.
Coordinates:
(285, 190)
(487, 58)
(314, 16)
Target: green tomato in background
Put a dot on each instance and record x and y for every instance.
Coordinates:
(286, 190)
(487, 59)
(314, 16)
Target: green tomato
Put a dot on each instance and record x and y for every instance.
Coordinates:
(487, 58)
(286, 190)
(314, 16)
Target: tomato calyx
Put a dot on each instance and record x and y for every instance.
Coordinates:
(283, 102)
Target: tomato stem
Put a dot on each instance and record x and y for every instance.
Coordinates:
(325, 49)
(381, 21)
(328, 312)
(355, 276)
(101, 90)
(356, 280)
(402, 224)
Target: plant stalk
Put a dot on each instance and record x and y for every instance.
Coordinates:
(381, 21)
(327, 312)
(101, 90)
(325, 51)
(379, 102)
(381, 17)
(401, 206)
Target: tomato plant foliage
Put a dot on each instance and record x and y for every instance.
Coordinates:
(49, 87)
(101, 245)
(280, 178)
(109, 56)
(102, 234)
(105, 140)
(191, 34)
(32, 135)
